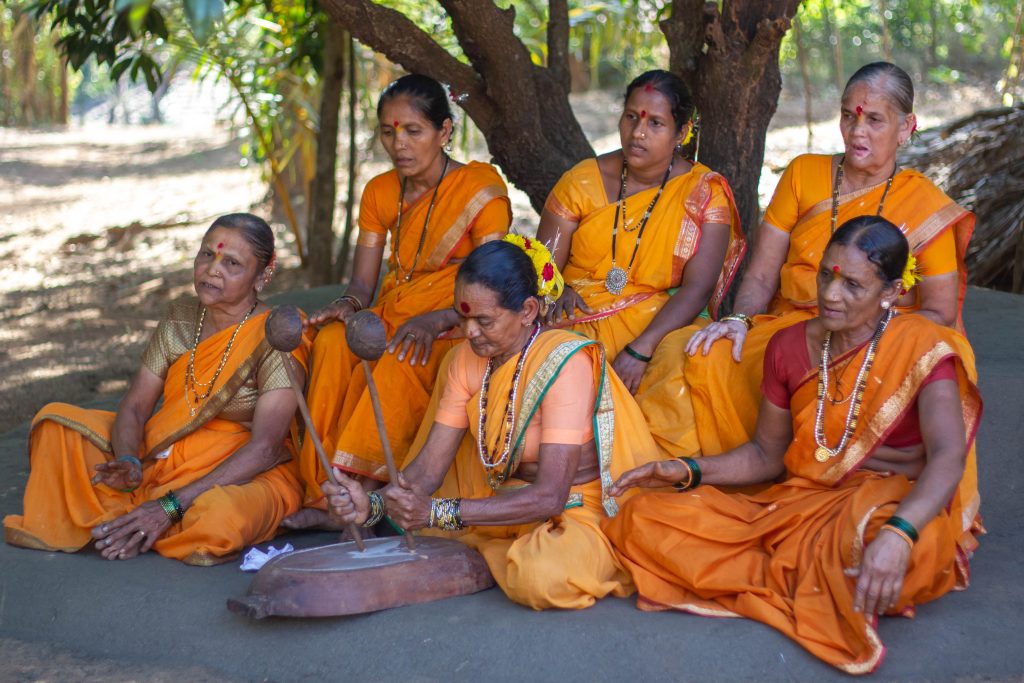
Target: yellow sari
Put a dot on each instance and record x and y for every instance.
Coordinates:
(472, 207)
(724, 396)
(670, 239)
(565, 561)
(67, 442)
(778, 556)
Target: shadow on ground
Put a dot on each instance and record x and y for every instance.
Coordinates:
(152, 612)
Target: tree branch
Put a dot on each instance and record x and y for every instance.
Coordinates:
(558, 42)
(394, 35)
(684, 31)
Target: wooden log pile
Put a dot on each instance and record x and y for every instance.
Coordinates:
(979, 162)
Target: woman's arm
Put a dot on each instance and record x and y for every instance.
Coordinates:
(365, 271)
(939, 295)
(699, 278)
(754, 462)
(129, 434)
(880, 574)
(556, 233)
(760, 282)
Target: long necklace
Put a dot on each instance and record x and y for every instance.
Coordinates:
(839, 181)
(492, 459)
(823, 452)
(837, 397)
(615, 280)
(192, 385)
(426, 221)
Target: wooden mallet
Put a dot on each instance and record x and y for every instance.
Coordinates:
(367, 339)
(284, 333)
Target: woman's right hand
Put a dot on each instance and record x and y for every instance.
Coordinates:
(727, 329)
(652, 475)
(347, 502)
(336, 310)
(122, 475)
(565, 306)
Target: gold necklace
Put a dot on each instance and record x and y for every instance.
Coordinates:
(426, 222)
(823, 452)
(616, 279)
(192, 384)
(839, 181)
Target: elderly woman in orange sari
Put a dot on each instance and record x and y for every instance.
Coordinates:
(647, 239)
(435, 210)
(815, 194)
(527, 434)
(209, 472)
(871, 518)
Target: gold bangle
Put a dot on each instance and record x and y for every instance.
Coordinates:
(350, 298)
(899, 532)
(739, 317)
(681, 485)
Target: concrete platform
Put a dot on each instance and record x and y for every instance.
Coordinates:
(156, 612)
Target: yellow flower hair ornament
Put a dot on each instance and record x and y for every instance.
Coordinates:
(910, 276)
(549, 280)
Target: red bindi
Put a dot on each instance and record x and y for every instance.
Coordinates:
(643, 113)
(648, 88)
(464, 306)
(835, 269)
(394, 124)
(220, 245)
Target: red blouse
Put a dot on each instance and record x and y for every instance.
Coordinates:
(787, 362)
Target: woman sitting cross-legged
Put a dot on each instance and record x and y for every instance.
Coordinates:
(869, 415)
(210, 471)
(531, 428)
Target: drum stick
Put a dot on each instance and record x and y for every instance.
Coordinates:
(389, 458)
(352, 529)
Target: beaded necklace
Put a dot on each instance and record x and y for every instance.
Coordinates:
(823, 452)
(193, 385)
(492, 460)
(615, 280)
(426, 222)
(839, 181)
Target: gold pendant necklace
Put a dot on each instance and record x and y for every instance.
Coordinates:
(839, 181)
(616, 279)
(193, 385)
(426, 222)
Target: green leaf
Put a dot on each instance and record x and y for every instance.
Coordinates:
(202, 15)
(137, 16)
(122, 5)
(119, 68)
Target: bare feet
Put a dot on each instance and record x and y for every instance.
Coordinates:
(311, 518)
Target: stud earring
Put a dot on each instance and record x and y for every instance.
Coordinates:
(886, 305)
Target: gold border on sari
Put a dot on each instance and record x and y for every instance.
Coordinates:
(451, 238)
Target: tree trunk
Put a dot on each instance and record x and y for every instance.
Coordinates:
(522, 109)
(883, 23)
(320, 223)
(345, 248)
(933, 34)
(731, 62)
(805, 76)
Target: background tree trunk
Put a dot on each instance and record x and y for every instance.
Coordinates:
(345, 248)
(731, 62)
(320, 223)
(883, 24)
(805, 76)
(835, 38)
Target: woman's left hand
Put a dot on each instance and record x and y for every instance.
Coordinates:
(133, 533)
(415, 338)
(405, 507)
(629, 369)
(652, 475)
(880, 574)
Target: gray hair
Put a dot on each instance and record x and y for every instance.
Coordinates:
(893, 81)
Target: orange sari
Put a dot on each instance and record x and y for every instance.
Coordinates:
(671, 238)
(472, 207)
(724, 395)
(778, 556)
(565, 561)
(66, 442)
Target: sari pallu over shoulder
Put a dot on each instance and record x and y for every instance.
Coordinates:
(671, 238)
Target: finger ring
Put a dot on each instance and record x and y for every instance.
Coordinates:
(410, 335)
(142, 533)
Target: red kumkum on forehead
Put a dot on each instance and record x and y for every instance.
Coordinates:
(643, 113)
(648, 87)
(394, 124)
(860, 110)
(220, 245)
(464, 306)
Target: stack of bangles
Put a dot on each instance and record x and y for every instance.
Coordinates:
(636, 354)
(377, 509)
(172, 507)
(740, 318)
(693, 477)
(356, 303)
(901, 528)
(446, 514)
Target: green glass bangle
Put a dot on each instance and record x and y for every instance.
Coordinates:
(903, 525)
(636, 354)
(131, 459)
(695, 475)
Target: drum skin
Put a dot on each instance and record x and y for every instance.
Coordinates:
(337, 579)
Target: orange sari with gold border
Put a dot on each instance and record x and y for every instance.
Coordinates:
(778, 556)
(670, 240)
(564, 562)
(724, 396)
(66, 442)
(472, 207)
